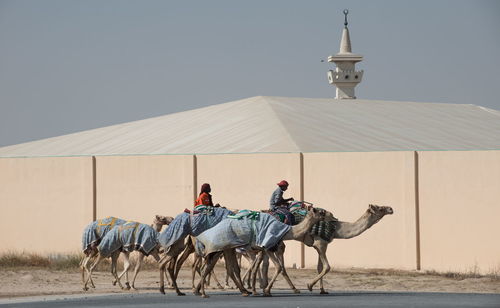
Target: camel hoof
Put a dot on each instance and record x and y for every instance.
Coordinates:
(255, 293)
(85, 289)
(205, 296)
(196, 293)
(267, 295)
(323, 292)
(245, 294)
(296, 291)
(113, 282)
(309, 287)
(180, 294)
(162, 290)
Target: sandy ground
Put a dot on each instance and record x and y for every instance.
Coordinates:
(23, 282)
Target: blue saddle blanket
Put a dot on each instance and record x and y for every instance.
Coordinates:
(95, 231)
(129, 237)
(185, 224)
(264, 232)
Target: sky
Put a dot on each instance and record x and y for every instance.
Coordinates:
(68, 66)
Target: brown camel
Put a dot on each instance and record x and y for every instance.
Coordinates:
(214, 250)
(340, 230)
(343, 230)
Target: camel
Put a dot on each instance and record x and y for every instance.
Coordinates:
(342, 230)
(245, 232)
(92, 236)
(338, 230)
(157, 224)
(128, 237)
(173, 242)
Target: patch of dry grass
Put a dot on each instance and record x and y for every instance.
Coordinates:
(69, 262)
(472, 273)
(10, 260)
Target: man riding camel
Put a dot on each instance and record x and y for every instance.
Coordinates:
(280, 205)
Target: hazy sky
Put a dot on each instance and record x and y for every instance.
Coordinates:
(68, 66)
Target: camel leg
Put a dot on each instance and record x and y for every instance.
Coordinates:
(167, 259)
(233, 270)
(227, 286)
(171, 271)
(126, 267)
(185, 254)
(279, 269)
(164, 261)
(114, 263)
(247, 277)
(210, 262)
(254, 267)
(212, 274)
(140, 260)
(320, 247)
(280, 254)
(196, 268)
(85, 266)
(265, 271)
(91, 270)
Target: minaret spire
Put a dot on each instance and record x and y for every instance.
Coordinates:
(345, 42)
(345, 77)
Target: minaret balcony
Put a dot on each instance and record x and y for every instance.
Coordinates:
(345, 76)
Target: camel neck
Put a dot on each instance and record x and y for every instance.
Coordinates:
(157, 226)
(346, 230)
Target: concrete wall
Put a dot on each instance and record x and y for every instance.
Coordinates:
(140, 187)
(458, 200)
(45, 203)
(460, 210)
(345, 183)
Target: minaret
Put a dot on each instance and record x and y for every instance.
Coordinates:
(345, 77)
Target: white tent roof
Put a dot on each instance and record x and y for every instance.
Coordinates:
(281, 124)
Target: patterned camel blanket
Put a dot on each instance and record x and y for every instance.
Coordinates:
(95, 231)
(323, 229)
(192, 223)
(250, 230)
(129, 237)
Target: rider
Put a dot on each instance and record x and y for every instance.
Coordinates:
(277, 203)
(204, 198)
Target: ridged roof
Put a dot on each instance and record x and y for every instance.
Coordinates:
(281, 124)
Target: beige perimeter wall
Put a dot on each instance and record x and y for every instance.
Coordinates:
(345, 184)
(460, 210)
(45, 203)
(455, 200)
(140, 187)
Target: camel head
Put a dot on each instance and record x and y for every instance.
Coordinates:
(380, 211)
(162, 220)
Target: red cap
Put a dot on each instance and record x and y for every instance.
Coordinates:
(283, 183)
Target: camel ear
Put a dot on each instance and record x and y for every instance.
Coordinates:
(372, 208)
(157, 217)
